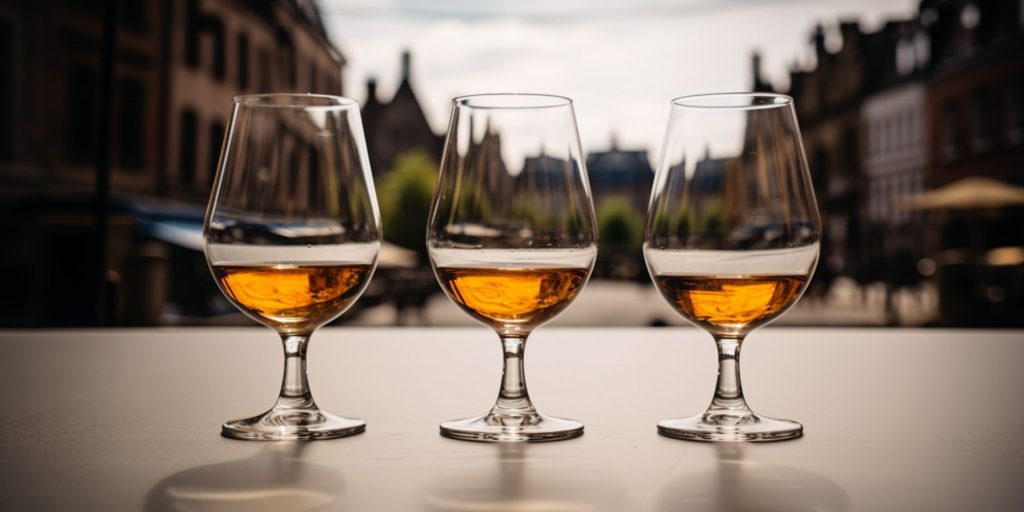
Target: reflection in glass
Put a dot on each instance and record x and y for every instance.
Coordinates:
(292, 234)
(275, 479)
(512, 238)
(732, 238)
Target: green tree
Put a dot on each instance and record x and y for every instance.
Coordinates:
(405, 196)
(714, 219)
(619, 226)
(523, 210)
(671, 225)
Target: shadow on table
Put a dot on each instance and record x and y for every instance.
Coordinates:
(741, 485)
(274, 479)
(515, 479)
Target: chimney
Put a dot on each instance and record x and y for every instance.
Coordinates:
(406, 57)
(371, 90)
(819, 40)
(850, 31)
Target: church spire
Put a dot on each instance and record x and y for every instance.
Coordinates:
(758, 83)
(406, 62)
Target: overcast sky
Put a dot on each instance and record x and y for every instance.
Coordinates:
(621, 61)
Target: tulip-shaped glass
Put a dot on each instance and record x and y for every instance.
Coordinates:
(512, 238)
(292, 234)
(732, 238)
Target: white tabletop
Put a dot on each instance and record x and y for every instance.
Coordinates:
(894, 420)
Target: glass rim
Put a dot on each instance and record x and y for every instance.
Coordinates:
(294, 100)
(515, 101)
(728, 101)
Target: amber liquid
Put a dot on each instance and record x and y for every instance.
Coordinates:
(293, 298)
(730, 304)
(512, 299)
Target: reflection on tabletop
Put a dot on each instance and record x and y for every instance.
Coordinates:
(516, 479)
(741, 485)
(274, 479)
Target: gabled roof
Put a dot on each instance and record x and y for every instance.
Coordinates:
(616, 163)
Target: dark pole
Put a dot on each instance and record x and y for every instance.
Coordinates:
(108, 48)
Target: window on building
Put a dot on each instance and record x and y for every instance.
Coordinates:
(908, 128)
(981, 121)
(884, 193)
(131, 111)
(290, 64)
(82, 99)
(263, 70)
(903, 192)
(919, 128)
(873, 136)
(873, 199)
(949, 130)
(134, 14)
(897, 132)
(187, 147)
(6, 91)
(891, 133)
(820, 171)
(219, 65)
(313, 178)
(88, 6)
(213, 152)
(882, 135)
(295, 163)
(242, 47)
(1015, 109)
(192, 31)
(851, 151)
(885, 144)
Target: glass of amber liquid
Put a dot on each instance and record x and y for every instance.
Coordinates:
(512, 239)
(732, 239)
(291, 235)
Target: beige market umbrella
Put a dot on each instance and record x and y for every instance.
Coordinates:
(971, 193)
(393, 256)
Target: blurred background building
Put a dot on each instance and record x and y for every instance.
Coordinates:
(893, 118)
(112, 114)
(621, 181)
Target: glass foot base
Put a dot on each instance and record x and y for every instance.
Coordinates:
(730, 429)
(295, 425)
(520, 429)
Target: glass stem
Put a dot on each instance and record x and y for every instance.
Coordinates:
(728, 400)
(295, 393)
(513, 399)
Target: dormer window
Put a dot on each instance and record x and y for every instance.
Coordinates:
(922, 49)
(970, 16)
(906, 57)
(981, 121)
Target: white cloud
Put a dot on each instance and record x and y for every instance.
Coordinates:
(620, 65)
